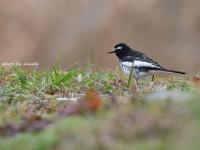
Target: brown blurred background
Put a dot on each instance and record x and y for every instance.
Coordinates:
(42, 30)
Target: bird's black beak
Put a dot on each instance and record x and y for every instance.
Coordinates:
(111, 52)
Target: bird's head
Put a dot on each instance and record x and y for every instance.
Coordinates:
(120, 50)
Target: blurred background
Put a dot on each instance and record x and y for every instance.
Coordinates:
(42, 31)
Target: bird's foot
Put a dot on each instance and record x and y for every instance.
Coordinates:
(136, 84)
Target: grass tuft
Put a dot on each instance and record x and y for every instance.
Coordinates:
(120, 122)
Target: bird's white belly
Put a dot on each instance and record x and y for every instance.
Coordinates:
(126, 70)
(144, 73)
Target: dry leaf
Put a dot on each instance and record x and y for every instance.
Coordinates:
(93, 99)
(196, 80)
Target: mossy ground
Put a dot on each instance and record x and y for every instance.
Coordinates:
(124, 120)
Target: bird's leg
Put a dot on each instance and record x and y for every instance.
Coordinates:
(136, 83)
(152, 79)
(151, 84)
(136, 80)
(139, 78)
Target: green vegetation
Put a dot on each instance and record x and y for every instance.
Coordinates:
(118, 117)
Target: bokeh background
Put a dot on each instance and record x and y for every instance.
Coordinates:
(43, 30)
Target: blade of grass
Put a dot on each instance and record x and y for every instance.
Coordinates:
(68, 76)
(49, 76)
(91, 57)
(130, 77)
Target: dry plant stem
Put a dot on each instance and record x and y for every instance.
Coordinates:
(130, 77)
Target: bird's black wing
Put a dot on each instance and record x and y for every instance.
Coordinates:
(142, 60)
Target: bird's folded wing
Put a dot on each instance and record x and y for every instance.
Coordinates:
(138, 62)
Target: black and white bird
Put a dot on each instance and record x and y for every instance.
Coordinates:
(141, 63)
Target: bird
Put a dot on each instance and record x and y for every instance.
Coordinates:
(142, 65)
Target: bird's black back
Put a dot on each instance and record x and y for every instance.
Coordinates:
(135, 55)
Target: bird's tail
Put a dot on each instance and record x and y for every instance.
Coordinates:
(174, 71)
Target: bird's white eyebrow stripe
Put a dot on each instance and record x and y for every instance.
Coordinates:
(119, 47)
(139, 64)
